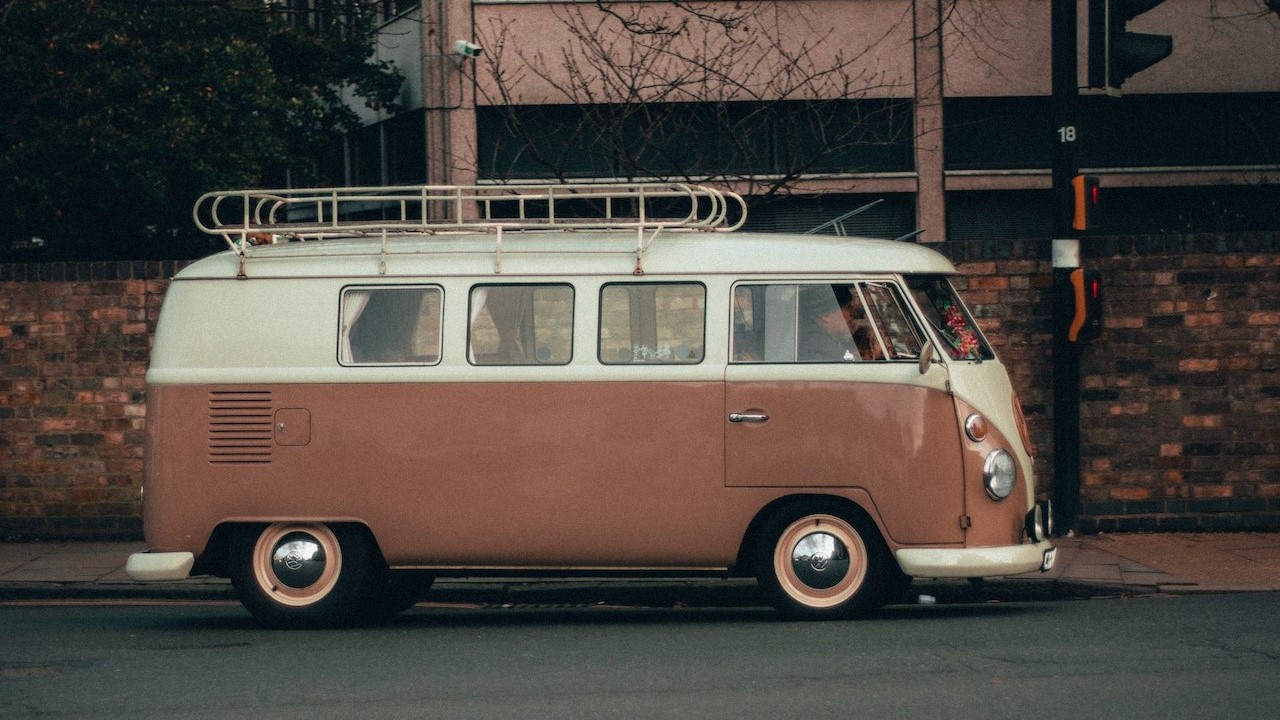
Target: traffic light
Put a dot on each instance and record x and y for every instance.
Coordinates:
(1084, 191)
(1086, 306)
(1116, 54)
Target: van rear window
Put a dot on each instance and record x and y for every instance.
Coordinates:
(390, 325)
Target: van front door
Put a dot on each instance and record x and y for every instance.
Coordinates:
(875, 424)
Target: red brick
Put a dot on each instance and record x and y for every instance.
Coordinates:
(1198, 365)
(1202, 319)
(1131, 493)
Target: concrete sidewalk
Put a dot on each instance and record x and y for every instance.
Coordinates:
(1104, 564)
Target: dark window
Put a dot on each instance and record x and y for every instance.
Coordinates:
(539, 141)
(693, 139)
(1214, 209)
(366, 151)
(1131, 131)
(1180, 130)
(888, 216)
(997, 133)
(1024, 214)
(999, 215)
(392, 8)
(407, 148)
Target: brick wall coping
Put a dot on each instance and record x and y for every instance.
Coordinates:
(957, 251)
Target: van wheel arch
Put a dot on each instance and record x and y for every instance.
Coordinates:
(791, 521)
(330, 587)
(753, 537)
(214, 560)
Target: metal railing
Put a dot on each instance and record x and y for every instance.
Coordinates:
(250, 217)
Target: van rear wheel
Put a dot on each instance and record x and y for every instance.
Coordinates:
(303, 574)
(821, 562)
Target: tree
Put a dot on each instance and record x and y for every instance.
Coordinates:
(753, 94)
(119, 113)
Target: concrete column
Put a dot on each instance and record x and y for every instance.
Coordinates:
(449, 93)
(931, 211)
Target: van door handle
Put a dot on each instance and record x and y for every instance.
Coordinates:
(756, 417)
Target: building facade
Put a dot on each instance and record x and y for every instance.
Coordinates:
(939, 113)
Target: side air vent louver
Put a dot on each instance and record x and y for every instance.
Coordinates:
(240, 430)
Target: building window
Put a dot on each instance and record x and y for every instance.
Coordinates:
(1137, 131)
(889, 215)
(695, 139)
(392, 8)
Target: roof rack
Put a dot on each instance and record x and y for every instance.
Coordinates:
(250, 217)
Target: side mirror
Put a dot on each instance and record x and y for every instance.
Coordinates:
(926, 356)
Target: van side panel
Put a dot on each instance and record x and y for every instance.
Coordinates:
(562, 474)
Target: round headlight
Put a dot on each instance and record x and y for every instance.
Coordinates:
(999, 474)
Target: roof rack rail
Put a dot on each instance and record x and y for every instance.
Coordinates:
(249, 217)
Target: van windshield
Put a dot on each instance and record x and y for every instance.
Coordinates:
(950, 320)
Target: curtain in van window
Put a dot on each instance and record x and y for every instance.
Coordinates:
(479, 296)
(512, 311)
(353, 304)
(510, 308)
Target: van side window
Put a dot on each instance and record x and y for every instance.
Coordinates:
(841, 322)
(390, 326)
(652, 323)
(889, 331)
(521, 325)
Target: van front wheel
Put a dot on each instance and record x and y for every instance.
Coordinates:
(302, 574)
(821, 563)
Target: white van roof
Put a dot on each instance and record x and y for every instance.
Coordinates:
(666, 229)
(586, 253)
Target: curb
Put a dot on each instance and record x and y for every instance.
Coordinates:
(620, 593)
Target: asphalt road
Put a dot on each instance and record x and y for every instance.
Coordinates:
(1146, 657)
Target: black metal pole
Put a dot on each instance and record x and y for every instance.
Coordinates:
(1066, 257)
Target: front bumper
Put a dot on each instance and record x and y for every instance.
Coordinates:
(158, 566)
(976, 562)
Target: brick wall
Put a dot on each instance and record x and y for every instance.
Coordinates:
(74, 343)
(1179, 398)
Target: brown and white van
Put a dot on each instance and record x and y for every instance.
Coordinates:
(568, 380)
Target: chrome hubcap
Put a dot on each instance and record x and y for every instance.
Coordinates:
(298, 560)
(820, 560)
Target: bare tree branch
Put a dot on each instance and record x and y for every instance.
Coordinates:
(676, 91)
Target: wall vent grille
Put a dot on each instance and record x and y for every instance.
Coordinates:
(240, 427)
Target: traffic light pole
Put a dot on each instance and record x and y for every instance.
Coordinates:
(1066, 257)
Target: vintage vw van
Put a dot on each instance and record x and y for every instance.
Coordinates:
(357, 398)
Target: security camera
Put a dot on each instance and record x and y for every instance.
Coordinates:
(465, 49)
